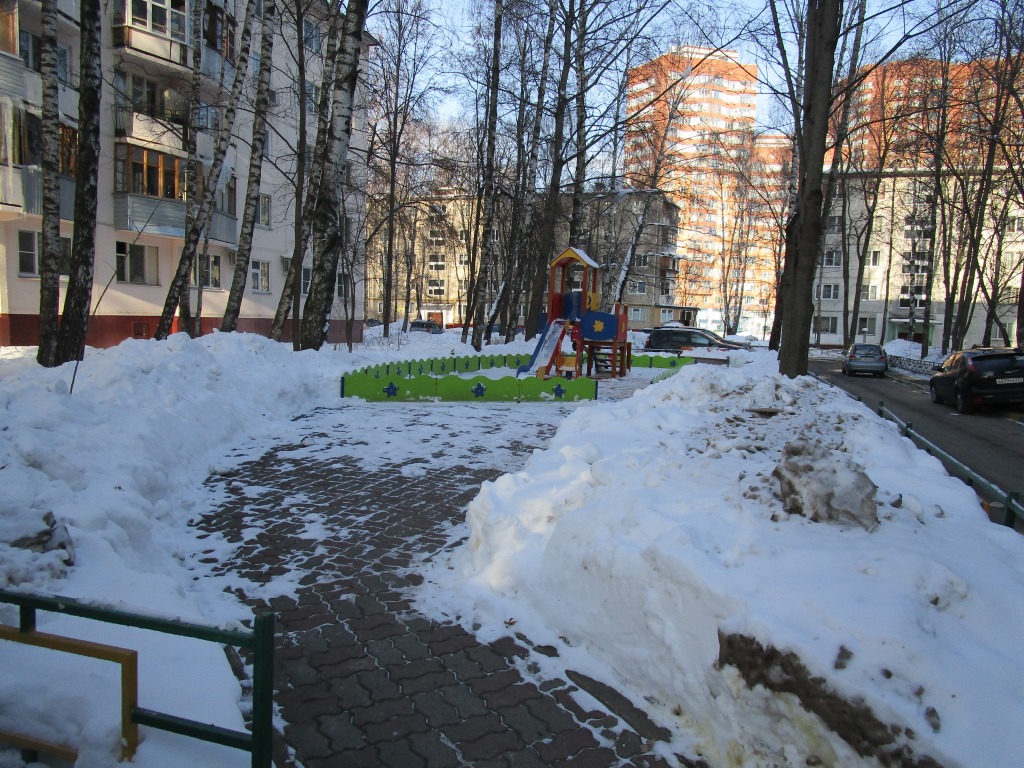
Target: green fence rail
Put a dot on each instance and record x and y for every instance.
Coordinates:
(448, 379)
(989, 492)
(260, 640)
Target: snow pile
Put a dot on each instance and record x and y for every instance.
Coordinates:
(651, 539)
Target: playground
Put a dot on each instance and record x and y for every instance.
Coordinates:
(578, 347)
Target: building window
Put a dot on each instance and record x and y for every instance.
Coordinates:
(263, 210)
(137, 263)
(833, 225)
(832, 259)
(9, 26)
(912, 296)
(312, 36)
(463, 284)
(311, 93)
(866, 325)
(344, 286)
(827, 291)
(147, 172)
(636, 286)
(436, 262)
(307, 278)
(209, 270)
(463, 259)
(67, 149)
(259, 273)
(641, 260)
(220, 31)
(435, 287)
(30, 250)
(666, 315)
(874, 258)
(869, 292)
(826, 324)
(636, 314)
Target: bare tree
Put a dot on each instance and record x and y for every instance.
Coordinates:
(49, 256)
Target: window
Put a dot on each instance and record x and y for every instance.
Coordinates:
(161, 17)
(636, 314)
(436, 262)
(912, 296)
(641, 261)
(9, 26)
(874, 258)
(869, 292)
(137, 264)
(259, 274)
(828, 291)
(311, 92)
(220, 31)
(227, 196)
(666, 315)
(866, 325)
(463, 284)
(263, 210)
(435, 287)
(209, 270)
(307, 278)
(833, 225)
(68, 149)
(636, 286)
(344, 286)
(1015, 224)
(832, 259)
(31, 49)
(463, 259)
(148, 172)
(312, 37)
(826, 324)
(30, 249)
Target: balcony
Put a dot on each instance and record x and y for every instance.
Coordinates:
(162, 216)
(166, 130)
(32, 193)
(133, 40)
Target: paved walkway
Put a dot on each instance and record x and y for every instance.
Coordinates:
(361, 678)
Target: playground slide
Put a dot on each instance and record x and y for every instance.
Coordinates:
(547, 348)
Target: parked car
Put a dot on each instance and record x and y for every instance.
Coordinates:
(981, 376)
(676, 338)
(371, 322)
(425, 326)
(865, 358)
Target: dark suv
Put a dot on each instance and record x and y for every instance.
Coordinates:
(676, 339)
(982, 376)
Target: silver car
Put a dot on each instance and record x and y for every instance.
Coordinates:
(865, 358)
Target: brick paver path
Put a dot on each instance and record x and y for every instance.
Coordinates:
(361, 678)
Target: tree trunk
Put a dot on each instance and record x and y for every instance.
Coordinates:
(490, 132)
(49, 250)
(252, 188)
(75, 321)
(329, 218)
(198, 217)
(804, 231)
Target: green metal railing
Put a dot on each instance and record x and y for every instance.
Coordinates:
(989, 492)
(260, 640)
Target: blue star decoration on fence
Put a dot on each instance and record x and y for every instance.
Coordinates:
(673, 363)
(391, 390)
(559, 390)
(479, 390)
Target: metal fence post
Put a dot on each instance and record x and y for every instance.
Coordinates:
(263, 690)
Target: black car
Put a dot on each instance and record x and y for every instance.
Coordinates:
(981, 376)
(676, 339)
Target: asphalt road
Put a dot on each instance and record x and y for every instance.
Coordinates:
(989, 441)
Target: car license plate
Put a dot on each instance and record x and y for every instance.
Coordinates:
(1015, 380)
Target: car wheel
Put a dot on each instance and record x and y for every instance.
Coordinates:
(963, 403)
(936, 398)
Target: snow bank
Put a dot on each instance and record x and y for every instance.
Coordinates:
(652, 527)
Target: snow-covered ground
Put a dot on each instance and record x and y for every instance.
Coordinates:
(650, 529)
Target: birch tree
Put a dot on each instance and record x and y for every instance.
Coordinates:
(49, 252)
(75, 318)
(255, 175)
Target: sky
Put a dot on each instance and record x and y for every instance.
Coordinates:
(648, 528)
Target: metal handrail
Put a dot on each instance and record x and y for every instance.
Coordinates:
(260, 639)
(988, 491)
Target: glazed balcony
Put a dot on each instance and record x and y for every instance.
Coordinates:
(162, 216)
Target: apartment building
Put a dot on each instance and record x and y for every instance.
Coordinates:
(146, 58)
(691, 133)
(433, 272)
(898, 257)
